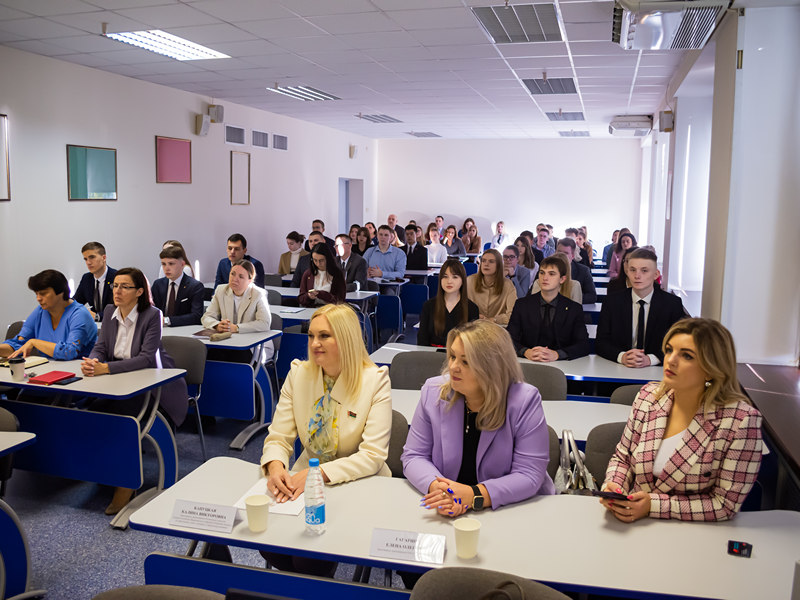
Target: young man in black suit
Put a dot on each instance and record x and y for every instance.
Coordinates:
(354, 267)
(178, 295)
(237, 250)
(416, 254)
(548, 326)
(580, 273)
(633, 323)
(95, 286)
(317, 225)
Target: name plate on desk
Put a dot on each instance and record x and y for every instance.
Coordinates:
(198, 515)
(408, 545)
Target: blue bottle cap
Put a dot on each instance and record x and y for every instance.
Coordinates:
(313, 462)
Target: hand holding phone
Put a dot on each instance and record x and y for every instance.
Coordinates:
(609, 495)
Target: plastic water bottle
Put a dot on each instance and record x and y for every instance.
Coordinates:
(315, 499)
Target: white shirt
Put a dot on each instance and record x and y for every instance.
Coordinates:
(321, 282)
(665, 450)
(101, 280)
(436, 253)
(122, 347)
(635, 299)
(294, 256)
(237, 300)
(500, 240)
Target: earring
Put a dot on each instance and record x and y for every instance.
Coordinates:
(708, 384)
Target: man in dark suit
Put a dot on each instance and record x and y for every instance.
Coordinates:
(354, 267)
(391, 221)
(416, 254)
(580, 273)
(319, 226)
(237, 250)
(304, 262)
(633, 323)
(178, 295)
(548, 326)
(95, 286)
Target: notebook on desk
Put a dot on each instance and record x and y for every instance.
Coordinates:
(30, 361)
(51, 377)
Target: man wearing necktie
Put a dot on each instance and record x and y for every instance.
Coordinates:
(354, 267)
(178, 295)
(94, 288)
(633, 322)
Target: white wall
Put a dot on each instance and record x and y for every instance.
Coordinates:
(52, 103)
(567, 183)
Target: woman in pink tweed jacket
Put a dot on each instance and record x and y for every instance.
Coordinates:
(691, 449)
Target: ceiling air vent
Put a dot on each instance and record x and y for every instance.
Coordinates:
(565, 116)
(665, 24)
(280, 142)
(378, 118)
(551, 85)
(573, 133)
(630, 125)
(302, 92)
(260, 139)
(519, 23)
(234, 135)
(423, 134)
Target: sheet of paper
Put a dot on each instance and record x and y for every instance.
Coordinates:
(291, 310)
(408, 545)
(292, 507)
(201, 515)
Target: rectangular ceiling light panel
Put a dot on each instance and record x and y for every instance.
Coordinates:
(167, 44)
(379, 118)
(423, 134)
(565, 116)
(520, 23)
(573, 133)
(551, 85)
(302, 92)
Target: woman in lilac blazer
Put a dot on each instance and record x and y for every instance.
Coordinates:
(478, 438)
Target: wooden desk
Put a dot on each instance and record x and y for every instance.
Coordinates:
(570, 541)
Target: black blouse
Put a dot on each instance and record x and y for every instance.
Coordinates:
(426, 336)
(468, 473)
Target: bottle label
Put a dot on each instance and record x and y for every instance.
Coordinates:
(315, 515)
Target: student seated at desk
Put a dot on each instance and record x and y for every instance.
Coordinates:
(520, 276)
(453, 245)
(478, 438)
(129, 340)
(288, 261)
(570, 289)
(237, 250)
(59, 327)
(363, 241)
(385, 260)
(94, 287)
(633, 323)
(416, 253)
(239, 306)
(177, 295)
(187, 264)
(691, 448)
(323, 282)
(353, 266)
(473, 243)
(625, 240)
(339, 405)
(548, 326)
(304, 262)
(437, 253)
(490, 290)
(449, 308)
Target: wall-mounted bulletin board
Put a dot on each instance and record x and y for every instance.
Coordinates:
(173, 160)
(240, 177)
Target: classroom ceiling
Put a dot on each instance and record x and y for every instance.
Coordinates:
(426, 63)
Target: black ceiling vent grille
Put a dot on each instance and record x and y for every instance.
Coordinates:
(573, 133)
(280, 142)
(550, 86)
(378, 118)
(519, 23)
(565, 116)
(423, 134)
(234, 135)
(260, 139)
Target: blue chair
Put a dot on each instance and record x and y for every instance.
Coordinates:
(433, 285)
(471, 268)
(486, 246)
(366, 330)
(293, 345)
(413, 296)
(390, 316)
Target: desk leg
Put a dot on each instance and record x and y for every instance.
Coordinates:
(166, 449)
(260, 423)
(15, 557)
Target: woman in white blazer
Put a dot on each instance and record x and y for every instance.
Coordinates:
(339, 405)
(239, 306)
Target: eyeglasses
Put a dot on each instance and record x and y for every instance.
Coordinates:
(119, 286)
(508, 257)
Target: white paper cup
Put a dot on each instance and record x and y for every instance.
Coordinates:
(467, 530)
(17, 367)
(257, 512)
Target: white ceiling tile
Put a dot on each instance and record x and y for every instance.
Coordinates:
(38, 47)
(222, 65)
(605, 61)
(210, 34)
(46, 8)
(338, 57)
(319, 43)
(117, 4)
(170, 15)
(37, 28)
(410, 53)
(405, 66)
(598, 48)
(450, 37)
(129, 55)
(533, 49)
(315, 8)
(433, 18)
(195, 76)
(273, 29)
(232, 11)
(87, 43)
(475, 64)
(588, 32)
(275, 60)
(247, 48)
(87, 60)
(368, 22)
(389, 39)
(645, 71)
(604, 71)
(588, 12)
(93, 22)
(473, 51)
(11, 13)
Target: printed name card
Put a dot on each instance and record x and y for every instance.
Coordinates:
(408, 545)
(198, 515)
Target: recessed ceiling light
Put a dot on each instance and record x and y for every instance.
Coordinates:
(378, 118)
(167, 44)
(423, 134)
(302, 92)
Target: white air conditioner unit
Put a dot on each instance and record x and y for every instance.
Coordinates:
(665, 24)
(630, 126)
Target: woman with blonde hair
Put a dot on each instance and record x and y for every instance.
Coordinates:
(473, 243)
(493, 293)
(691, 448)
(478, 438)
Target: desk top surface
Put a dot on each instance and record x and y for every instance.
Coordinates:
(14, 440)
(237, 340)
(119, 385)
(293, 292)
(577, 541)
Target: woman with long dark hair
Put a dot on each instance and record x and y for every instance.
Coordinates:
(449, 308)
(624, 242)
(323, 282)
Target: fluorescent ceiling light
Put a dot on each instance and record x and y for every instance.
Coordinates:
(167, 44)
(302, 92)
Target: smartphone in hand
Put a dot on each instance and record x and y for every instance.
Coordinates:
(609, 495)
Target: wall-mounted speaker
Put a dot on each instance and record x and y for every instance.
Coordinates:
(216, 112)
(666, 121)
(201, 124)
(353, 150)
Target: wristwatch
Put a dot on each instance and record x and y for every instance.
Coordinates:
(477, 499)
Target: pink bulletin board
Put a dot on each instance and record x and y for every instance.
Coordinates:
(173, 160)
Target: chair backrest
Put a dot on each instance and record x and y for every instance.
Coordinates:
(410, 370)
(273, 279)
(189, 354)
(471, 268)
(555, 452)
(396, 443)
(600, 445)
(390, 313)
(277, 324)
(550, 381)
(459, 583)
(8, 422)
(366, 331)
(13, 329)
(433, 285)
(274, 298)
(487, 245)
(625, 394)
(158, 592)
(208, 293)
(293, 345)
(414, 295)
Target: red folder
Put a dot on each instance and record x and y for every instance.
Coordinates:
(51, 377)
